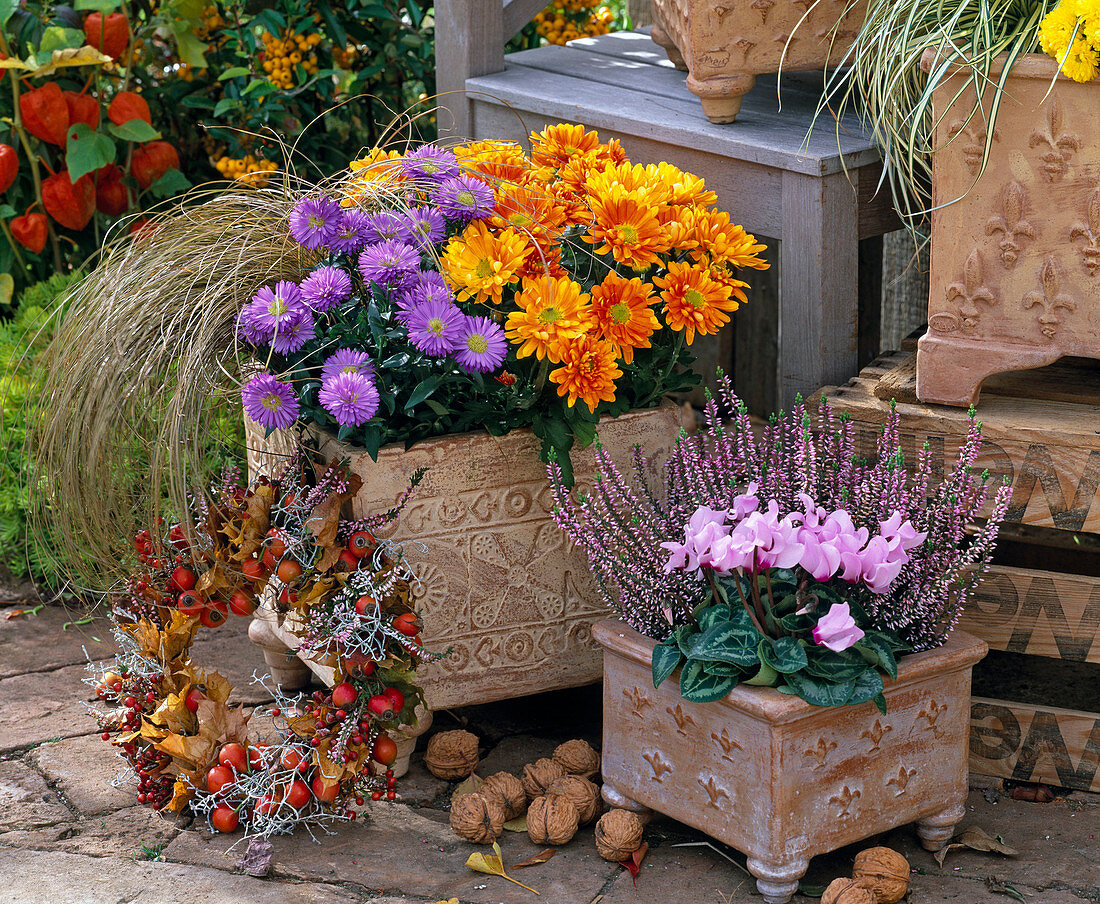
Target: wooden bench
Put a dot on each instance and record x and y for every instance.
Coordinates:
(817, 199)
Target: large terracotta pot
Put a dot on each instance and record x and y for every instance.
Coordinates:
(1015, 269)
(504, 590)
(782, 780)
(724, 46)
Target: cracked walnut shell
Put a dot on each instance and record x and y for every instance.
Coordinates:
(577, 758)
(618, 835)
(552, 820)
(477, 818)
(847, 891)
(506, 790)
(451, 755)
(538, 775)
(884, 871)
(584, 795)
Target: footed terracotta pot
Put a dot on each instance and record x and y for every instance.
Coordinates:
(782, 780)
(1015, 267)
(724, 46)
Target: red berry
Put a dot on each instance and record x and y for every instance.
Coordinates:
(364, 603)
(289, 571)
(344, 694)
(381, 706)
(242, 603)
(360, 543)
(266, 805)
(191, 604)
(385, 750)
(325, 793)
(106, 736)
(183, 578)
(256, 756)
(193, 698)
(234, 756)
(348, 561)
(225, 818)
(276, 545)
(298, 794)
(407, 624)
(215, 614)
(217, 778)
(31, 231)
(253, 569)
(396, 698)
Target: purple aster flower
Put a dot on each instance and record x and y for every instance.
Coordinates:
(270, 402)
(347, 361)
(293, 334)
(384, 226)
(430, 162)
(314, 221)
(428, 285)
(351, 398)
(464, 199)
(425, 226)
(390, 264)
(435, 326)
(325, 288)
(351, 232)
(271, 308)
(481, 345)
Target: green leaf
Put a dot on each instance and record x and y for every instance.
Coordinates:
(785, 655)
(6, 210)
(87, 150)
(698, 686)
(191, 50)
(666, 657)
(729, 641)
(7, 7)
(824, 663)
(868, 686)
(765, 676)
(225, 105)
(171, 183)
(104, 6)
(818, 691)
(57, 38)
(134, 130)
(233, 72)
(880, 704)
(422, 390)
(876, 649)
(710, 615)
(584, 431)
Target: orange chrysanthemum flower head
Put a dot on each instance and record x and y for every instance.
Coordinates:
(588, 371)
(372, 174)
(627, 228)
(531, 210)
(694, 301)
(555, 145)
(553, 312)
(641, 181)
(726, 242)
(622, 313)
(479, 263)
(497, 161)
(685, 189)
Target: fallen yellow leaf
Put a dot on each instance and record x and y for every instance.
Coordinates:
(492, 865)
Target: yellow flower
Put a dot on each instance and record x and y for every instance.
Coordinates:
(724, 241)
(684, 188)
(588, 371)
(628, 229)
(480, 264)
(1081, 62)
(555, 145)
(498, 161)
(623, 317)
(641, 181)
(694, 301)
(531, 210)
(553, 312)
(372, 175)
(1056, 30)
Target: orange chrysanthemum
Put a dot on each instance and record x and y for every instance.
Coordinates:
(544, 260)
(685, 189)
(531, 210)
(641, 181)
(628, 228)
(377, 171)
(588, 371)
(556, 145)
(553, 312)
(694, 301)
(480, 264)
(623, 317)
(726, 242)
(497, 161)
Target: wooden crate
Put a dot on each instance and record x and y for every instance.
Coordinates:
(1042, 432)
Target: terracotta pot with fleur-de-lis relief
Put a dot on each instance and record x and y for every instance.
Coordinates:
(779, 779)
(1015, 267)
(725, 44)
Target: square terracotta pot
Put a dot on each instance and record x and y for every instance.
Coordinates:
(782, 780)
(1015, 267)
(724, 46)
(504, 589)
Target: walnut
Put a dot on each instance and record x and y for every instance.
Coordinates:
(477, 818)
(506, 790)
(618, 835)
(552, 820)
(884, 871)
(451, 755)
(577, 758)
(585, 795)
(537, 776)
(847, 891)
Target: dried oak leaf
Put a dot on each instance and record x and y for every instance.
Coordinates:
(537, 859)
(166, 645)
(182, 792)
(214, 580)
(324, 522)
(976, 839)
(173, 716)
(247, 534)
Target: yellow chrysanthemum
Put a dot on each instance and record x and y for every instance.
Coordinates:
(372, 174)
(622, 313)
(694, 301)
(1081, 63)
(553, 312)
(1056, 30)
(556, 145)
(679, 224)
(684, 188)
(588, 371)
(627, 228)
(722, 240)
(642, 181)
(479, 264)
(497, 161)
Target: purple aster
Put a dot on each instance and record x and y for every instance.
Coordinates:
(325, 288)
(271, 308)
(425, 226)
(293, 334)
(347, 361)
(430, 162)
(390, 264)
(464, 199)
(350, 398)
(384, 226)
(435, 326)
(428, 285)
(270, 402)
(314, 221)
(481, 345)
(351, 232)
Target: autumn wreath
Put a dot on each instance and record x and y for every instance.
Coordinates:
(347, 596)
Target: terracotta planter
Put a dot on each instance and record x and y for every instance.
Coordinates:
(504, 590)
(1015, 270)
(782, 780)
(724, 46)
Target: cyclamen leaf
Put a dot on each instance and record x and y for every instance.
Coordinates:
(765, 676)
(875, 648)
(820, 692)
(785, 655)
(666, 658)
(728, 642)
(698, 686)
(868, 686)
(834, 667)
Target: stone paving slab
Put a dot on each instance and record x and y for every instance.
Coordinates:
(40, 706)
(28, 802)
(126, 833)
(82, 769)
(34, 877)
(38, 643)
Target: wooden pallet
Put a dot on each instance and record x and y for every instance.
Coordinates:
(1042, 432)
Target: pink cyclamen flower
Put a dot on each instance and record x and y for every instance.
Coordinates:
(836, 629)
(704, 528)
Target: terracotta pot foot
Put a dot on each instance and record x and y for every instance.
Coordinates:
(777, 882)
(950, 371)
(939, 828)
(661, 38)
(288, 671)
(405, 737)
(721, 96)
(613, 797)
